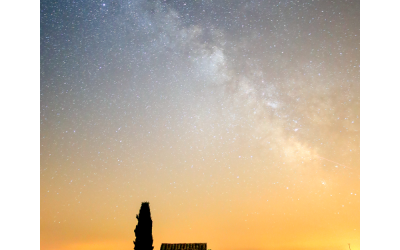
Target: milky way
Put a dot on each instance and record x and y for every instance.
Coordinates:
(199, 107)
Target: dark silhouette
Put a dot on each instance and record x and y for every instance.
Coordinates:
(184, 246)
(143, 230)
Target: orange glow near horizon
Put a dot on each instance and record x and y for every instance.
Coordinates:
(312, 211)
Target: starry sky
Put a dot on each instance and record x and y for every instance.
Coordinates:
(239, 121)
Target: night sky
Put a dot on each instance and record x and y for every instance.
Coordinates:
(239, 121)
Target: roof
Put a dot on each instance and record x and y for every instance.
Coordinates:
(183, 246)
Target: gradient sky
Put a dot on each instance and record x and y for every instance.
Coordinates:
(237, 120)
